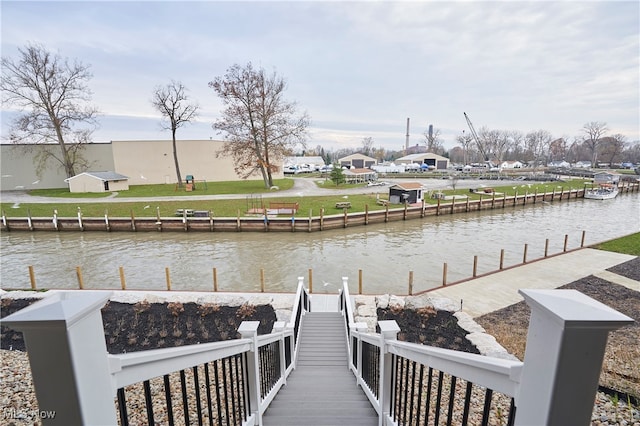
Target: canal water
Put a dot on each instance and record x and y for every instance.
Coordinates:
(385, 253)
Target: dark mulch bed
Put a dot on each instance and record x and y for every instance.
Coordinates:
(428, 326)
(630, 269)
(142, 326)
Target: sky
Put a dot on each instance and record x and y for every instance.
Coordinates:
(359, 69)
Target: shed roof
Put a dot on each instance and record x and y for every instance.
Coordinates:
(358, 171)
(103, 176)
(408, 186)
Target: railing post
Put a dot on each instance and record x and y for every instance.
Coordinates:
(68, 356)
(565, 349)
(388, 331)
(249, 330)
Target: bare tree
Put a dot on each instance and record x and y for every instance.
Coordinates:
(367, 145)
(260, 126)
(174, 105)
(53, 96)
(433, 141)
(537, 145)
(466, 141)
(594, 131)
(611, 148)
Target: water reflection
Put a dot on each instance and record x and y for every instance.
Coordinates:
(384, 252)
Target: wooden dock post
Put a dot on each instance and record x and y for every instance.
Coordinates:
(55, 220)
(501, 259)
(238, 227)
(453, 203)
(359, 281)
(475, 265)
(524, 255)
(32, 277)
(106, 220)
(410, 283)
(310, 218)
(133, 221)
(310, 280)
(215, 279)
(386, 213)
(438, 208)
(79, 219)
(5, 225)
(346, 217)
(167, 274)
(566, 241)
(366, 214)
(444, 274)
(29, 220)
(123, 283)
(535, 195)
(546, 247)
(582, 239)
(262, 280)
(80, 280)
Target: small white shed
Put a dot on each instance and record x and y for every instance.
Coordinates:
(98, 182)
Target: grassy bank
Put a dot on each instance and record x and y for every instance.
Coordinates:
(239, 206)
(627, 245)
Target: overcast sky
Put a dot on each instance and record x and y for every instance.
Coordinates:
(359, 69)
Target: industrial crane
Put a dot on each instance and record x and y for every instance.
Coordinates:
(475, 137)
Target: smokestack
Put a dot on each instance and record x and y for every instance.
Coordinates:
(406, 145)
(430, 131)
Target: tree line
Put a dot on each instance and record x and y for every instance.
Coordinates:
(259, 125)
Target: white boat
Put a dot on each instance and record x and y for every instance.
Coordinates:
(603, 192)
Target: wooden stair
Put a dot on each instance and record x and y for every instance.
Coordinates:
(321, 390)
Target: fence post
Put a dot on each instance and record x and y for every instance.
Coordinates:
(68, 356)
(444, 274)
(388, 331)
(475, 265)
(123, 283)
(32, 277)
(249, 330)
(79, 275)
(546, 247)
(562, 362)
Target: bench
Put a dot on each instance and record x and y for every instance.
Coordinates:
(184, 212)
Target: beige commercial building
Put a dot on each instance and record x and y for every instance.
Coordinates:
(143, 162)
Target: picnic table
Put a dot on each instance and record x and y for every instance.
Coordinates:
(343, 205)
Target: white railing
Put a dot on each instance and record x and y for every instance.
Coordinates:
(76, 378)
(556, 383)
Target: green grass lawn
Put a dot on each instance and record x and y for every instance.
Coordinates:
(233, 207)
(627, 245)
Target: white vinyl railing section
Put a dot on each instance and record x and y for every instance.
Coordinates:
(556, 384)
(229, 383)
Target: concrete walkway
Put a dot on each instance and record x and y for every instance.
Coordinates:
(499, 290)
